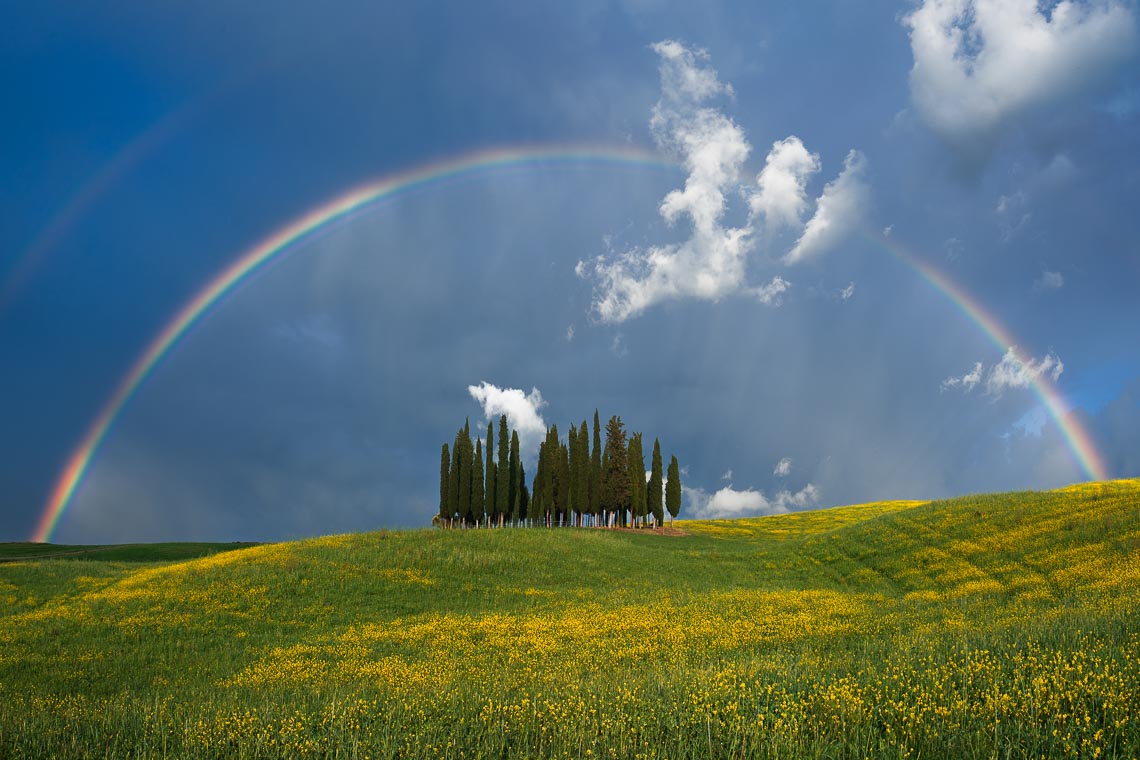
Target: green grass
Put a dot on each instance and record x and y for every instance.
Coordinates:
(1001, 625)
(164, 552)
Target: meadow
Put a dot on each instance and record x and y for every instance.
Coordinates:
(1002, 625)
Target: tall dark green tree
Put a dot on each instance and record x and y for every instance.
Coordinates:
(512, 493)
(573, 503)
(596, 470)
(478, 506)
(522, 498)
(615, 475)
(583, 476)
(453, 478)
(637, 505)
(503, 489)
(654, 489)
(445, 509)
(465, 455)
(673, 490)
(490, 474)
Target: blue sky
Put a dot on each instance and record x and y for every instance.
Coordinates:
(737, 306)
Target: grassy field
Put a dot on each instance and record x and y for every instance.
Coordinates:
(169, 552)
(991, 626)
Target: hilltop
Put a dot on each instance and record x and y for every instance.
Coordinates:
(991, 624)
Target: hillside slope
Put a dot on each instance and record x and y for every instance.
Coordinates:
(985, 625)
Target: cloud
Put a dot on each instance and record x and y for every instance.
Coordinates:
(967, 381)
(837, 213)
(727, 475)
(522, 410)
(979, 63)
(783, 467)
(769, 294)
(729, 503)
(847, 292)
(713, 148)
(712, 262)
(1012, 371)
(1048, 281)
(782, 184)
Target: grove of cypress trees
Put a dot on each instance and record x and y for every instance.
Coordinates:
(478, 507)
(673, 490)
(653, 491)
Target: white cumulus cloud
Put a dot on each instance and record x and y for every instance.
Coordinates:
(837, 212)
(978, 63)
(711, 263)
(522, 410)
(781, 196)
(783, 467)
(729, 502)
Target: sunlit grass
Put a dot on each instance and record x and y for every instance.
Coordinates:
(1000, 625)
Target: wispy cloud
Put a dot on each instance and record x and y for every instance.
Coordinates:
(1048, 281)
(783, 467)
(1012, 372)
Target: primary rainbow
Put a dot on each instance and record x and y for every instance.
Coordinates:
(290, 236)
(365, 196)
(1078, 439)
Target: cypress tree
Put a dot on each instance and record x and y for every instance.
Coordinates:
(596, 470)
(512, 493)
(673, 490)
(583, 477)
(653, 494)
(522, 500)
(563, 489)
(478, 510)
(444, 484)
(574, 502)
(615, 477)
(636, 479)
(453, 479)
(503, 489)
(465, 455)
(490, 472)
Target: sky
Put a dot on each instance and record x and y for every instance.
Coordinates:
(827, 253)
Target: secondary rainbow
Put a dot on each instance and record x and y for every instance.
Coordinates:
(1078, 439)
(289, 237)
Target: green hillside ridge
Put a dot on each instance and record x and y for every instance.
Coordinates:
(990, 625)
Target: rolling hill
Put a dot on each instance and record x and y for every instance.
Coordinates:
(984, 626)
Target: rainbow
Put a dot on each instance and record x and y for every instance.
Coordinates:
(362, 198)
(1078, 439)
(290, 237)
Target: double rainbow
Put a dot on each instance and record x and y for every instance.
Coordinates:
(362, 198)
